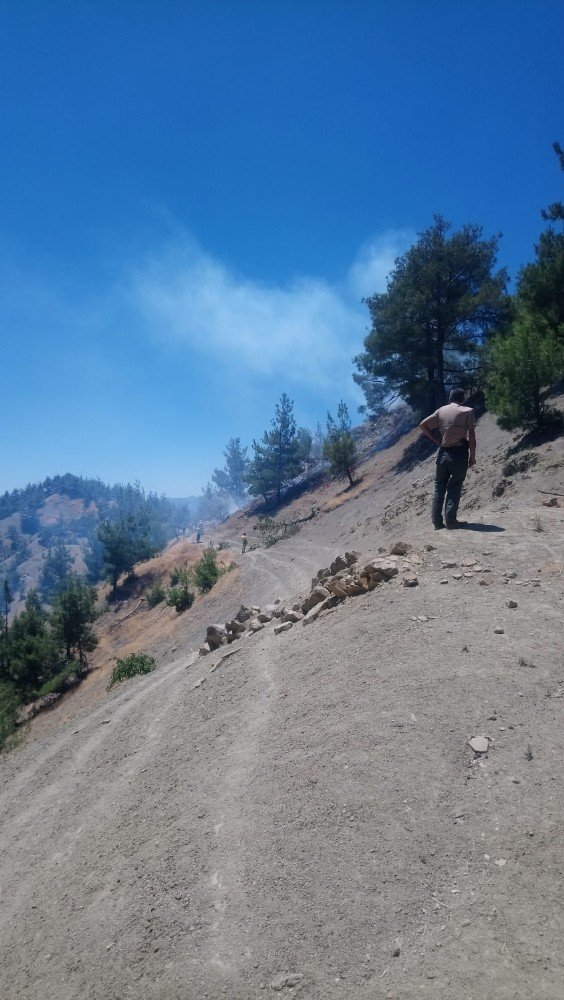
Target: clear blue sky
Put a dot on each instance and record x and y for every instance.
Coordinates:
(196, 196)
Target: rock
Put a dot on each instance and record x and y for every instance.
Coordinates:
(512, 575)
(264, 617)
(292, 616)
(336, 588)
(381, 548)
(282, 627)
(255, 625)
(551, 502)
(383, 569)
(288, 981)
(512, 604)
(329, 602)
(499, 631)
(429, 548)
(236, 627)
(317, 595)
(400, 549)
(352, 557)
(479, 744)
(443, 581)
(457, 576)
(337, 564)
(409, 580)
(269, 609)
(216, 635)
(244, 614)
(449, 564)
(279, 610)
(205, 648)
(501, 862)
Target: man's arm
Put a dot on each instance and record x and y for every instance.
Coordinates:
(428, 428)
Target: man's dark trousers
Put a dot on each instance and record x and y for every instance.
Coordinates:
(452, 466)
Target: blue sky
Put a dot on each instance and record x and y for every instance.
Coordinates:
(197, 195)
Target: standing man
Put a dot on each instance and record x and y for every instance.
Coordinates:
(244, 541)
(452, 428)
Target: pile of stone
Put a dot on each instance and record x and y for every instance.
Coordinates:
(345, 577)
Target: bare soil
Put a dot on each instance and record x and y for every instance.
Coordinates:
(309, 817)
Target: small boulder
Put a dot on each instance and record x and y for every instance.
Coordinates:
(337, 564)
(292, 616)
(400, 549)
(409, 580)
(216, 635)
(282, 627)
(205, 648)
(317, 595)
(351, 557)
(279, 610)
(479, 744)
(264, 617)
(255, 625)
(512, 604)
(244, 614)
(551, 502)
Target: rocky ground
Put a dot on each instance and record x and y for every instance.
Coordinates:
(306, 815)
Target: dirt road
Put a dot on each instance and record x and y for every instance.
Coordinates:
(310, 817)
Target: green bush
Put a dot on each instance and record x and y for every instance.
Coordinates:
(156, 594)
(9, 705)
(206, 572)
(180, 598)
(135, 663)
(175, 576)
(223, 545)
(57, 682)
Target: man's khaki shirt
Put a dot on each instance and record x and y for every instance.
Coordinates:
(453, 422)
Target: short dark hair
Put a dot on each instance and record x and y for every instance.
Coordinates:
(456, 396)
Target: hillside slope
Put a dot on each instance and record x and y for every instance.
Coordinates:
(307, 815)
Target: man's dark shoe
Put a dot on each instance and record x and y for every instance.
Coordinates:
(456, 524)
(437, 526)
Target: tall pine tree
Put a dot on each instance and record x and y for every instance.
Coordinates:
(277, 455)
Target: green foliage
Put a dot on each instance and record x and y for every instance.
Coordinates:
(175, 575)
(55, 573)
(73, 612)
(156, 594)
(540, 285)
(58, 681)
(9, 705)
(133, 533)
(131, 666)
(442, 301)
(180, 598)
(520, 366)
(31, 651)
(340, 447)
(206, 572)
(277, 456)
(231, 479)
(272, 531)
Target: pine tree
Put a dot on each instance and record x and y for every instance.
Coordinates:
(55, 573)
(443, 300)
(73, 613)
(276, 460)
(231, 479)
(520, 366)
(340, 447)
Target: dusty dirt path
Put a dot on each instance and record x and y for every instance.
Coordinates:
(311, 807)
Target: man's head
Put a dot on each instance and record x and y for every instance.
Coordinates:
(456, 396)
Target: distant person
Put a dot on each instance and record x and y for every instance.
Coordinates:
(198, 535)
(452, 428)
(245, 542)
